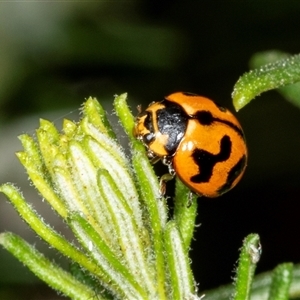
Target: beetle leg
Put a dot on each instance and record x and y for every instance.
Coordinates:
(162, 183)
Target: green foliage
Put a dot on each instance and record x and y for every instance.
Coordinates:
(115, 210)
(129, 247)
(282, 73)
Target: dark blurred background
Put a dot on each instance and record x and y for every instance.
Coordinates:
(54, 55)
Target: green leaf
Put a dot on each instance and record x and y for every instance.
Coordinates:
(185, 212)
(129, 248)
(130, 238)
(281, 282)
(97, 115)
(150, 194)
(178, 265)
(124, 114)
(33, 162)
(115, 273)
(155, 207)
(290, 92)
(267, 77)
(45, 231)
(250, 255)
(46, 270)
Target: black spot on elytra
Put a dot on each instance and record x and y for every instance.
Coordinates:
(233, 174)
(206, 160)
(204, 117)
(233, 126)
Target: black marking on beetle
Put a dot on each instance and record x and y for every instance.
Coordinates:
(206, 118)
(235, 172)
(234, 127)
(172, 121)
(206, 160)
(148, 122)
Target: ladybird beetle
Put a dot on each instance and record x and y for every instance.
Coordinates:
(201, 142)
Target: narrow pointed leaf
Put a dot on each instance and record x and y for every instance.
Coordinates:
(130, 239)
(121, 282)
(185, 212)
(124, 114)
(46, 270)
(32, 161)
(248, 259)
(290, 92)
(97, 116)
(281, 282)
(45, 232)
(265, 78)
(182, 285)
